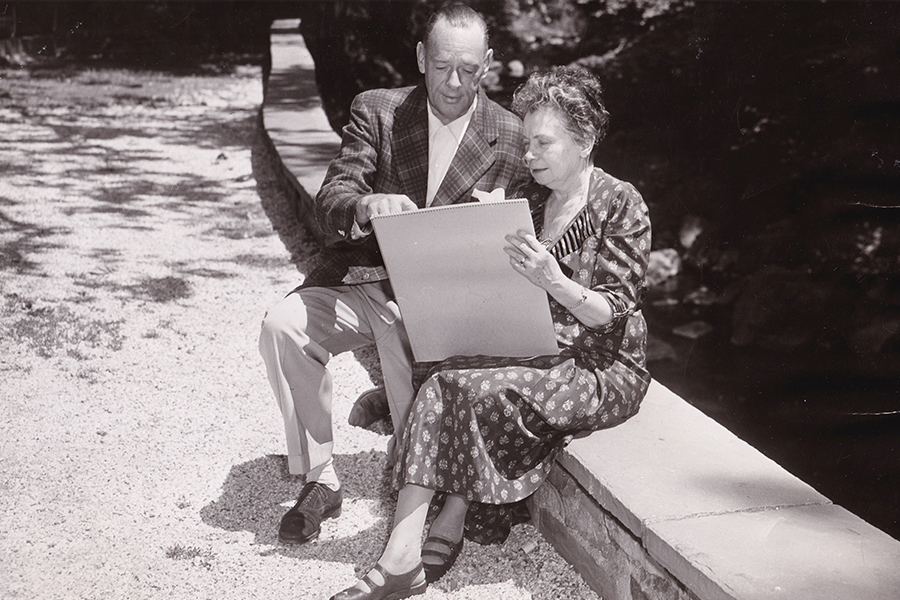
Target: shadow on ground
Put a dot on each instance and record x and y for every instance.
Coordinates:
(257, 493)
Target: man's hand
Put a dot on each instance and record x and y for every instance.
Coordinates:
(375, 205)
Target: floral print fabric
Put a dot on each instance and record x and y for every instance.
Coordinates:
(490, 428)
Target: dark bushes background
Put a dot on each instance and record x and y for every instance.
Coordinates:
(146, 34)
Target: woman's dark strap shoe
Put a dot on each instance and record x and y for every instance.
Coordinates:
(395, 587)
(303, 522)
(434, 570)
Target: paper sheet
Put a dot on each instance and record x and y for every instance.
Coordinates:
(457, 292)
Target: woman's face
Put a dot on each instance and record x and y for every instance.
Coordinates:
(554, 157)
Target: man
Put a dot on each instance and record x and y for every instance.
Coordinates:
(403, 150)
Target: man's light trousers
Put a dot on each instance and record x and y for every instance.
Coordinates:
(302, 332)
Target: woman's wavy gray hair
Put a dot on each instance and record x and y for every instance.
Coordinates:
(574, 92)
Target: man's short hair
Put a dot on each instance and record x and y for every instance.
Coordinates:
(457, 15)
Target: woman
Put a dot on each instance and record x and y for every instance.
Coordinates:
(485, 430)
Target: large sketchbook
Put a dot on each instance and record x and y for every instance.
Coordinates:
(457, 292)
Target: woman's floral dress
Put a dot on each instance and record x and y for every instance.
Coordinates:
(489, 428)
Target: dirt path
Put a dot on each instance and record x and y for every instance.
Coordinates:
(141, 453)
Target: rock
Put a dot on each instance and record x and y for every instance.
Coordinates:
(703, 242)
(693, 330)
(663, 264)
(691, 228)
(665, 303)
(702, 296)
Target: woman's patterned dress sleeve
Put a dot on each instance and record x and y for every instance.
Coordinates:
(615, 258)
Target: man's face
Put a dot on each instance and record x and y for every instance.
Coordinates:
(453, 62)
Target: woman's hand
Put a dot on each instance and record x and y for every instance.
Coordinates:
(532, 259)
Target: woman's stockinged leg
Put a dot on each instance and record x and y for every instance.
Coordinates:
(444, 541)
(403, 552)
(451, 521)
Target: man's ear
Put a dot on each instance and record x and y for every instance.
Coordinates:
(488, 59)
(420, 57)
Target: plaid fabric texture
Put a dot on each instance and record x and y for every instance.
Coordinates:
(385, 150)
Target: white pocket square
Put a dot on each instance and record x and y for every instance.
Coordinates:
(496, 195)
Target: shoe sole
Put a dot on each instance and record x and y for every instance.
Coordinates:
(295, 542)
(401, 594)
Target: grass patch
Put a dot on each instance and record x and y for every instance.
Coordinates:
(260, 261)
(242, 230)
(202, 558)
(57, 330)
(92, 375)
(163, 289)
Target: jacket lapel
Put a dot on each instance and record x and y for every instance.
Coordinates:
(474, 156)
(410, 145)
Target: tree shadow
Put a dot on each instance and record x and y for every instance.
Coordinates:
(106, 175)
(25, 242)
(294, 87)
(257, 493)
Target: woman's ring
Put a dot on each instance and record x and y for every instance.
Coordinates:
(522, 263)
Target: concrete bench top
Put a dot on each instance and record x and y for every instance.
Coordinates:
(724, 520)
(293, 116)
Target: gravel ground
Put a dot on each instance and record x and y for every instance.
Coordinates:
(142, 235)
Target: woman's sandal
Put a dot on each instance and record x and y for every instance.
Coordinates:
(395, 586)
(434, 571)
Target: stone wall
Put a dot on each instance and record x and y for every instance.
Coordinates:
(609, 557)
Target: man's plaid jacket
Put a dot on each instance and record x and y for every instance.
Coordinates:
(385, 150)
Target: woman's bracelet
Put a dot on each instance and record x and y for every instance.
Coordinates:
(580, 302)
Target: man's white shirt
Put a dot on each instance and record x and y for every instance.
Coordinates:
(443, 142)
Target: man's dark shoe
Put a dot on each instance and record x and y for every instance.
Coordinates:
(371, 406)
(303, 522)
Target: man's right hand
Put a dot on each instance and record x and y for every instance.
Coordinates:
(374, 205)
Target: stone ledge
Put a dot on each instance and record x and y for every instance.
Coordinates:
(294, 120)
(671, 495)
(669, 505)
(820, 552)
(672, 462)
